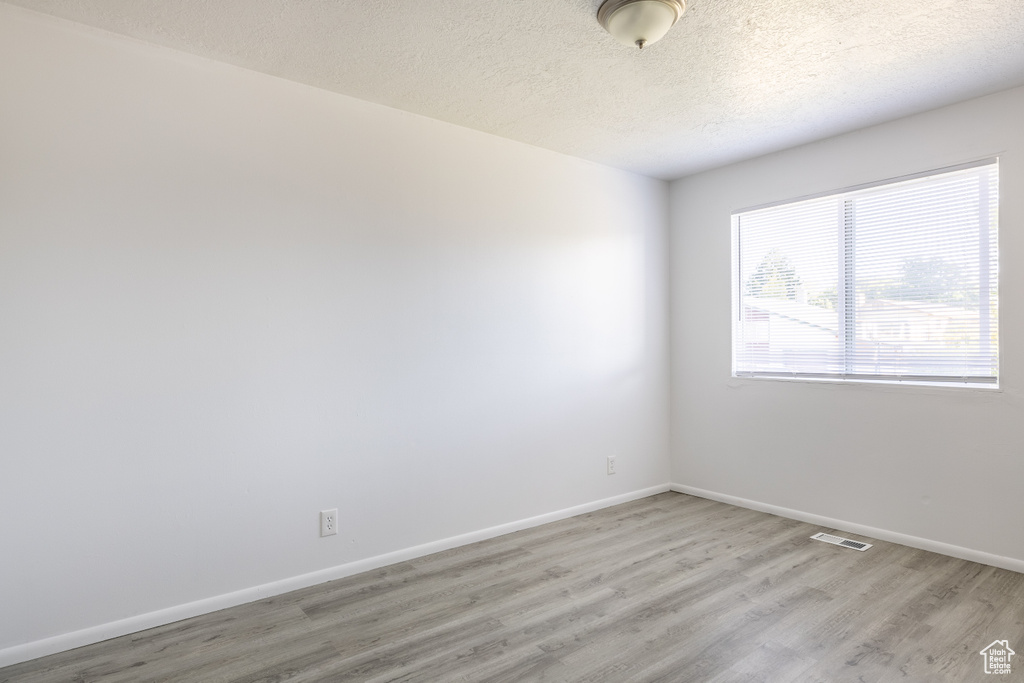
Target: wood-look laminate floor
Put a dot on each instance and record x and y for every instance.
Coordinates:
(668, 588)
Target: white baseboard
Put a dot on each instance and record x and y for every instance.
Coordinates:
(1011, 563)
(114, 629)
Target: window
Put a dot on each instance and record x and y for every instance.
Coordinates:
(895, 281)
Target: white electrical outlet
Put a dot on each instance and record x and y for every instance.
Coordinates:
(611, 464)
(329, 522)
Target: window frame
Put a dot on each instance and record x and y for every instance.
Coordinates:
(847, 293)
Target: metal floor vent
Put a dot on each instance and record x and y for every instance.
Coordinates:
(839, 540)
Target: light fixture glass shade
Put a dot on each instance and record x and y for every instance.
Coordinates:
(639, 22)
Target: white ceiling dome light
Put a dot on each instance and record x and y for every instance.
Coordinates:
(639, 22)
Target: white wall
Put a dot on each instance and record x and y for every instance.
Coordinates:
(932, 466)
(228, 301)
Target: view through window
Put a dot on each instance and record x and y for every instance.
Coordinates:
(896, 281)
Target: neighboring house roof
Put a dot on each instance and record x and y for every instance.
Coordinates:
(805, 314)
(828, 320)
(925, 308)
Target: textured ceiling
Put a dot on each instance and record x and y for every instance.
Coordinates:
(734, 79)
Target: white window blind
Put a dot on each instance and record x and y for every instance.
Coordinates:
(890, 282)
